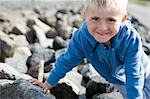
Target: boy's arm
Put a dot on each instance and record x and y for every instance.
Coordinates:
(73, 56)
(134, 69)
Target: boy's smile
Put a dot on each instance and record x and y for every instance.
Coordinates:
(104, 22)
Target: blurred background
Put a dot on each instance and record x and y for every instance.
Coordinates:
(33, 33)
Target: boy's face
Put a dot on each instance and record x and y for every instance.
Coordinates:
(103, 23)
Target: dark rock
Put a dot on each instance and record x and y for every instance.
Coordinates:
(59, 43)
(19, 30)
(63, 91)
(63, 11)
(98, 88)
(31, 37)
(49, 20)
(34, 69)
(63, 29)
(37, 10)
(51, 34)
(77, 23)
(48, 55)
(93, 81)
(60, 13)
(22, 89)
(30, 22)
(6, 47)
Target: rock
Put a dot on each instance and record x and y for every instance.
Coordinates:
(31, 37)
(51, 34)
(19, 29)
(59, 52)
(64, 30)
(63, 91)
(34, 69)
(49, 18)
(146, 47)
(20, 40)
(6, 27)
(59, 43)
(76, 20)
(41, 37)
(18, 61)
(70, 86)
(4, 18)
(35, 21)
(39, 53)
(22, 89)
(2, 33)
(8, 72)
(4, 82)
(94, 81)
(98, 88)
(113, 95)
(6, 47)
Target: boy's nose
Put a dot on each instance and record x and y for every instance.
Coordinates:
(102, 26)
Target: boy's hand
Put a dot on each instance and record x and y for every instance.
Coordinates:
(45, 86)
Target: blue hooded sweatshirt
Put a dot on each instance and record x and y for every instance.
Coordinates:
(122, 62)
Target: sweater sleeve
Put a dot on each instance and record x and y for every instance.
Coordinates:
(67, 60)
(134, 69)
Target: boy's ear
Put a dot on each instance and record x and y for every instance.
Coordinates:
(124, 18)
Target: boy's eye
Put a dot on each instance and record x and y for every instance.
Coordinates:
(112, 20)
(95, 18)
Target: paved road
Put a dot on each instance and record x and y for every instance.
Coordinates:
(140, 12)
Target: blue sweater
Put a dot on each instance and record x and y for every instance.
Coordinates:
(123, 62)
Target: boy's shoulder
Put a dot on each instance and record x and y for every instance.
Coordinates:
(129, 34)
(127, 29)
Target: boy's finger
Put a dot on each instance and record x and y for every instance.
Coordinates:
(32, 80)
(45, 90)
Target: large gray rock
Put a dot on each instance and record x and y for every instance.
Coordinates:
(22, 89)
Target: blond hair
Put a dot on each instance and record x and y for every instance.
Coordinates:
(120, 4)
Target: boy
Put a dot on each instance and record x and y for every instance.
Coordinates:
(111, 45)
